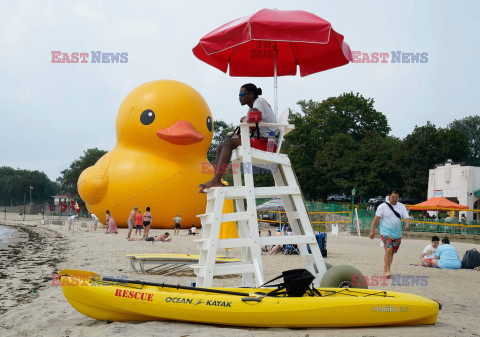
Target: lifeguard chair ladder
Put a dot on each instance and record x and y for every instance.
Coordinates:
(286, 187)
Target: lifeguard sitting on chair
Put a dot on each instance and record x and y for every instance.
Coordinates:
(260, 111)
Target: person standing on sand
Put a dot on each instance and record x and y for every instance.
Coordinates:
(390, 215)
(95, 222)
(131, 221)
(70, 220)
(138, 223)
(111, 225)
(177, 221)
(147, 221)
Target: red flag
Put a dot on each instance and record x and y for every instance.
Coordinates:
(63, 207)
(51, 208)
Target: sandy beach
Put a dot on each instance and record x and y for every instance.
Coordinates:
(31, 306)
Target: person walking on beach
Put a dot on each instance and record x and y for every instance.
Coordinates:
(147, 221)
(390, 215)
(70, 220)
(131, 221)
(177, 221)
(138, 223)
(95, 222)
(111, 225)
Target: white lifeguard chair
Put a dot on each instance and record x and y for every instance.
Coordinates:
(286, 187)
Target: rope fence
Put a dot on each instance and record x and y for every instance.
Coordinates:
(366, 217)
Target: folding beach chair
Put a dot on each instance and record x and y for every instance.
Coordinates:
(290, 249)
(167, 264)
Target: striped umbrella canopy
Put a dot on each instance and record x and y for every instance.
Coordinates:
(274, 204)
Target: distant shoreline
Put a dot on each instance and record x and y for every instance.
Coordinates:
(7, 234)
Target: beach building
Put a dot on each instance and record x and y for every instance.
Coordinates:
(457, 183)
(65, 198)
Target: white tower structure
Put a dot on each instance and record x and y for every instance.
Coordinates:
(244, 195)
(456, 182)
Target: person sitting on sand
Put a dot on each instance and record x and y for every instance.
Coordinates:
(429, 252)
(276, 249)
(111, 225)
(158, 238)
(267, 248)
(70, 220)
(248, 95)
(193, 230)
(446, 256)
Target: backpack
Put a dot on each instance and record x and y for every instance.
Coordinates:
(471, 259)
(296, 282)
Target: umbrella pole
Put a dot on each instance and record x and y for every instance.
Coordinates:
(275, 102)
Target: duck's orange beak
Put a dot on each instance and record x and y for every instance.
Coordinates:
(181, 133)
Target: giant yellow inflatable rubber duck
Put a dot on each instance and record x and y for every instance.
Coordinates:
(164, 129)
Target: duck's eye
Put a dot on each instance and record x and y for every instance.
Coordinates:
(147, 117)
(209, 124)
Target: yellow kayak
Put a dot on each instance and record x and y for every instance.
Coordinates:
(125, 300)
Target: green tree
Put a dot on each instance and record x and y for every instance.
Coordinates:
(350, 115)
(470, 126)
(15, 186)
(421, 150)
(366, 165)
(69, 177)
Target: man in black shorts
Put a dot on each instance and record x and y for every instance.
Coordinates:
(162, 238)
(177, 221)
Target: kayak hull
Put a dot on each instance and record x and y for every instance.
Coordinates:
(336, 308)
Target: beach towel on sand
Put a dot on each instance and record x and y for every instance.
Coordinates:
(421, 265)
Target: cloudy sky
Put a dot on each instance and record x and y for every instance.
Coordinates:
(50, 113)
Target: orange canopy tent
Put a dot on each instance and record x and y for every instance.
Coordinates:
(439, 203)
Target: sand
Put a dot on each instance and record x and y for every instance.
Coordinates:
(35, 254)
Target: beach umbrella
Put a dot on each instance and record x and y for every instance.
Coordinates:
(437, 203)
(274, 204)
(274, 43)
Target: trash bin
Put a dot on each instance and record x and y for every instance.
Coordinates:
(322, 243)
